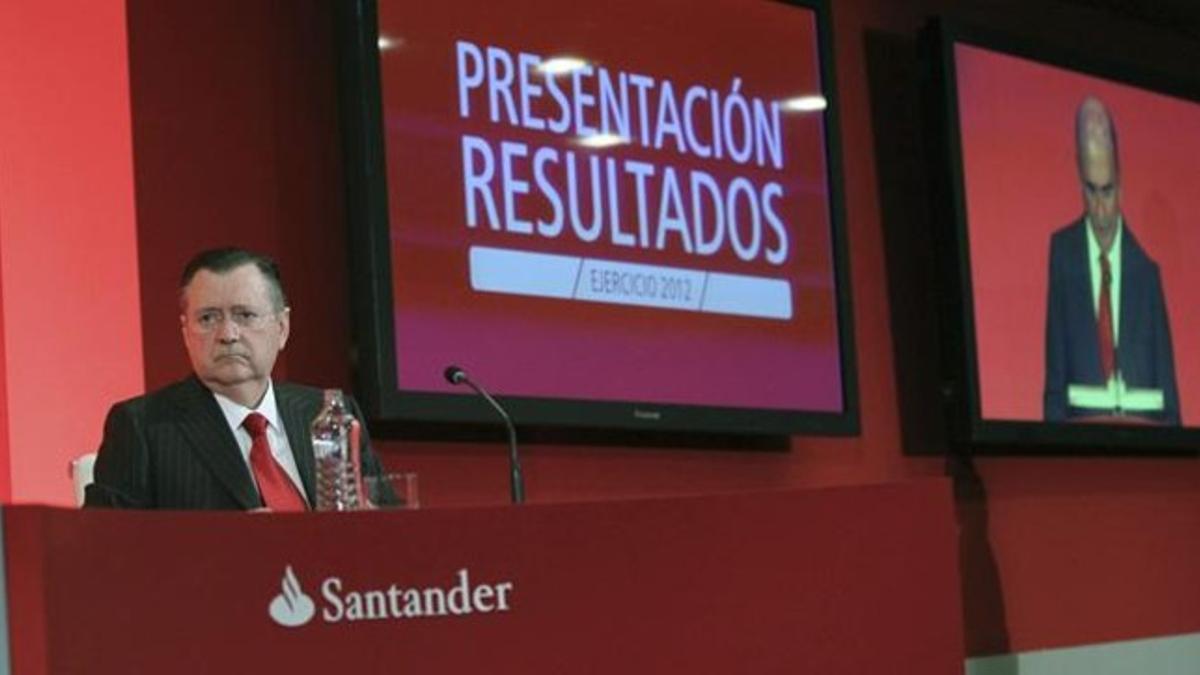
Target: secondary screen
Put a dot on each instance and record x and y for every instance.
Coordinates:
(1057, 167)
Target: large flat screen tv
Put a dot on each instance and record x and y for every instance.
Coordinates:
(1070, 188)
(613, 215)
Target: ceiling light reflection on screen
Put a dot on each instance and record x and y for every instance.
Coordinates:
(602, 140)
(561, 65)
(810, 103)
(385, 42)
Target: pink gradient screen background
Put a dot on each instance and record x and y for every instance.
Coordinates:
(1017, 127)
(544, 347)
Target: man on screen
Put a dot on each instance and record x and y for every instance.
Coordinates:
(1108, 337)
(227, 437)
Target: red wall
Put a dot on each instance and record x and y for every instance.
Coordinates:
(236, 141)
(71, 334)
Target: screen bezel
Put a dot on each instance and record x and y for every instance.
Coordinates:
(969, 430)
(374, 356)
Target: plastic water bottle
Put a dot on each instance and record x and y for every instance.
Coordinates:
(335, 440)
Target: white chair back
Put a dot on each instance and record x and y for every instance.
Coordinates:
(80, 469)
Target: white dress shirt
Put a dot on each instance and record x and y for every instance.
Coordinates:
(281, 448)
(1114, 266)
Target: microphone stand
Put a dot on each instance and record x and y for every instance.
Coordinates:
(456, 375)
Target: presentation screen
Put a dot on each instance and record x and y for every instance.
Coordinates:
(618, 215)
(1075, 185)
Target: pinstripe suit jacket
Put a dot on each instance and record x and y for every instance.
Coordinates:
(173, 449)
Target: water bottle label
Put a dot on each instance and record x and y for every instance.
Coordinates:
(323, 448)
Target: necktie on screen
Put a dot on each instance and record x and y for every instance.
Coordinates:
(278, 491)
(1104, 321)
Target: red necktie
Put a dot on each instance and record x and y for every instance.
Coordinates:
(1104, 322)
(278, 491)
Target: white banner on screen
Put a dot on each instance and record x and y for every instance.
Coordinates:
(549, 275)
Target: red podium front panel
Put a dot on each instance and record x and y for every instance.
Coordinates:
(845, 580)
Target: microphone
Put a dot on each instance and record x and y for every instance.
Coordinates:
(456, 376)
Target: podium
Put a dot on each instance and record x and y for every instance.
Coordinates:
(840, 580)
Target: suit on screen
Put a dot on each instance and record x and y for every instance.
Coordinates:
(1144, 354)
(173, 449)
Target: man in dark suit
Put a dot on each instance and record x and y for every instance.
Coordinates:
(1108, 337)
(227, 437)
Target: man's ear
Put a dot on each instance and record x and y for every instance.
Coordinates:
(285, 326)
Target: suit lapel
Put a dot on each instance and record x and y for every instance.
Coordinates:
(1082, 311)
(203, 425)
(297, 410)
(1133, 279)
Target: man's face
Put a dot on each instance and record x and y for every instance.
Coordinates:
(231, 328)
(1101, 188)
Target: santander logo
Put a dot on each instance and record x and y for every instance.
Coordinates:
(292, 607)
(459, 596)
